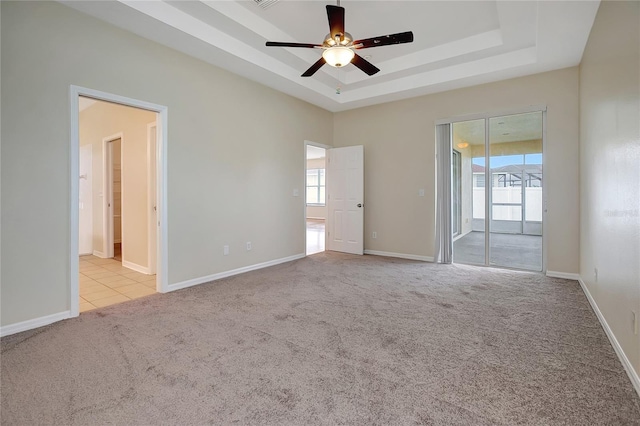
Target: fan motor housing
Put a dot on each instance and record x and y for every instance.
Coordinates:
(347, 39)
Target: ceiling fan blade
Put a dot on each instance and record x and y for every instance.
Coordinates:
(336, 21)
(364, 65)
(315, 67)
(285, 44)
(406, 37)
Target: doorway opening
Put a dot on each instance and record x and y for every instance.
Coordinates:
(497, 191)
(117, 150)
(315, 197)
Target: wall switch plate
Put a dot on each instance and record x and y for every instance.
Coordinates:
(374, 235)
(296, 192)
(421, 192)
(248, 245)
(225, 250)
(634, 318)
(595, 274)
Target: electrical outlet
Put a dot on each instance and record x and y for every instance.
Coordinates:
(421, 192)
(595, 274)
(225, 250)
(374, 235)
(248, 245)
(634, 324)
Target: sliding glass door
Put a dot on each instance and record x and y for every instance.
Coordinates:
(501, 186)
(468, 141)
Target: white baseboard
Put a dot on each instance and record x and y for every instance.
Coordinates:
(100, 254)
(85, 254)
(33, 323)
(399, 255)
(136, 267)
(628, 367)
(565, 275)
(213, 277)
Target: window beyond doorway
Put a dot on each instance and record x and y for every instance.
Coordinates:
(315, 202)
(316, 187)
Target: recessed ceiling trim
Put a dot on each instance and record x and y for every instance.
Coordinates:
(442, 52)
(514, 39)
(455, 72)
(188, 24)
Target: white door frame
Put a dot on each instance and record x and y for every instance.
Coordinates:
(304, 185)
(107, 193)
(162, 283)
(499, 113)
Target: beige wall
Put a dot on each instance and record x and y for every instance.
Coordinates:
(399, 146)
(610, 169)
(104, 119)
(219, 168)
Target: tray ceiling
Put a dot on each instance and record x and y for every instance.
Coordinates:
(457, 44)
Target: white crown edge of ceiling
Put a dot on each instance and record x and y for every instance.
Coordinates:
(287, 80)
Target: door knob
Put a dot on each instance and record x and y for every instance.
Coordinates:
(359, 205)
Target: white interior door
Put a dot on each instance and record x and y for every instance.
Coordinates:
(345, 199)
(85, 217)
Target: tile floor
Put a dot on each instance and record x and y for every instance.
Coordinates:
(105, 282)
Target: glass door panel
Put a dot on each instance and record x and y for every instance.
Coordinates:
(469, 147)
(515, 198)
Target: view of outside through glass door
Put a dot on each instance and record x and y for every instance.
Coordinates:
(512, 169)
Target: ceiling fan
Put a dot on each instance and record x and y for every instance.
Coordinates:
(339, 46)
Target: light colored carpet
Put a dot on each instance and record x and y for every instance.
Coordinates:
(329, 339)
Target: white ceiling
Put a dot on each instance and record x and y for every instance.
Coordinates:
(456, 43)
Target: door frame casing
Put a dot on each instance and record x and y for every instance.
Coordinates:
(162, 283)
(304, 185)
(498, 113)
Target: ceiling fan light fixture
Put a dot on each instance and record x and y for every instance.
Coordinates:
(338, 56)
